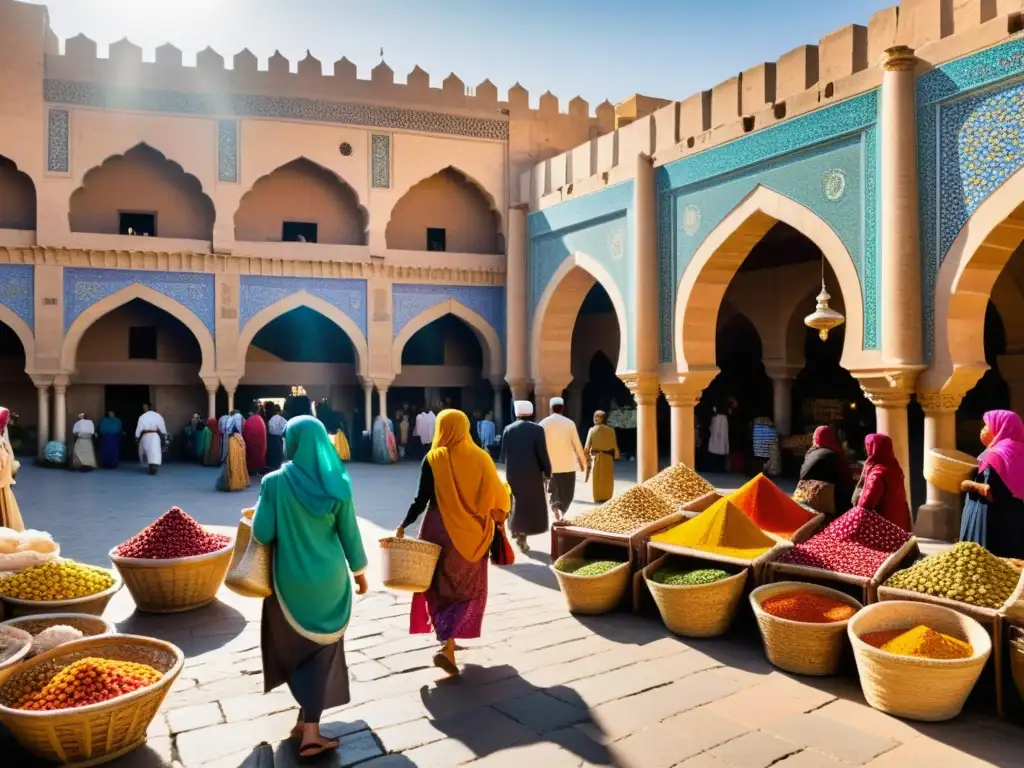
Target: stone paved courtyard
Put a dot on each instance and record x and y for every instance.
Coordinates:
(541, 688)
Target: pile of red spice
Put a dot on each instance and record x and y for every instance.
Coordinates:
(856, 543)
(172, 535)
(808, 607)
(769, 507)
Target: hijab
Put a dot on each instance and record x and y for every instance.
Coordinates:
(314, 474)
(211, 424)
(881, 454)
(825, 437)
(1005, 454)
(469, 493)
(5, 416)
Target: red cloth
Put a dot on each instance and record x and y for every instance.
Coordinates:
(885, 490)
(254, 433)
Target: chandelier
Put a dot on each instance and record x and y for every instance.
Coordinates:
(823, 319)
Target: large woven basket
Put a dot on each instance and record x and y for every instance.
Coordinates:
(947, 469)
(407, 565)
(592, 595)
(917, 688)
(94, 605)
(704, 610)
(797, 646)
(98, 733)
(173, 586)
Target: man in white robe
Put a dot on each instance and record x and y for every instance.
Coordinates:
(83, 456)
(150, 432)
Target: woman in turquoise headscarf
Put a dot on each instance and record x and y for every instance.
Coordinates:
(305, 513)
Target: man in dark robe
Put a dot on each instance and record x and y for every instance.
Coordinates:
(524, 452)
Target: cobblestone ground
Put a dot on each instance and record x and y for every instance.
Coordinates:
(540, 688)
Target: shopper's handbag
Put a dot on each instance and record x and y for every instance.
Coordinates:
(816, 494)
(249, 572)
(501, 550)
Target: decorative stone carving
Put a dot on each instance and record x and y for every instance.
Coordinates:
(257, 293)
(380, 160)
(380, 305)
(58, 155)
(899, 58)
(939, 401)
(644, 387)
(227, 150)
(17, 291)
(409, 300)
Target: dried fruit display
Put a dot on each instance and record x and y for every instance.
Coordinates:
(856, 543)
(968, 573)
(637, 507)
(175, 534)
(84, 682)
(56, 580)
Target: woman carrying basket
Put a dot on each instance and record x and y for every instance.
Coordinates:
(994, 509)
(305, 513)
(464, 498)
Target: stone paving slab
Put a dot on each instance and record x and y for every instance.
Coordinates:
(540, 688)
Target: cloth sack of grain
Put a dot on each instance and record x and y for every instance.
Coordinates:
(25, 549)
(679, 484)
(637, 507)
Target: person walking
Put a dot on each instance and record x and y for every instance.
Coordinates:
(213, 441)
(464, 498)
(602, 451)
(254, 433)
(524, 452)
(486, 431)
(566, 454)
(150, 432)
(718, 443)
(275, 437)
(83, 457)
(423, 430)
(111, 432)
(994, 509)
(305, 513)
(10, 515)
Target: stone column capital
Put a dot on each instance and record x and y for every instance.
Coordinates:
(781, 371)
(366, 382)
(932, 401)
(230, 384)
(382, 383)
(212, 383)
(60, 384)
(41, 381)
(681, 394)
(899, 58)
(890, 388)
(644, 387)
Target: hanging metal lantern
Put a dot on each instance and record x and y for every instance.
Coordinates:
(823, 319)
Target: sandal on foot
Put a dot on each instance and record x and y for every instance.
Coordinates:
(315, 748)
(296, 731)
(443, 662)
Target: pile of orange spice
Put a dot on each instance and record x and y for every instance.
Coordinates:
(808, 607)
(921, 642)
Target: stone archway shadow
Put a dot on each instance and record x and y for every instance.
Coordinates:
(716, 261)
(24, 334)
(490, 342)
(82, 323)
(303, 299)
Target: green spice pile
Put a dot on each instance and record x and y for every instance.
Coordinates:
(968, 573)
(673, 576)
(579, 566)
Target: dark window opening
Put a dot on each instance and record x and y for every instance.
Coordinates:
(298, 232)
(436, 239)
(143, 224)
(142, 343)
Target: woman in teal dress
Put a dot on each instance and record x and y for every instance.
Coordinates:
(111, 431)
(305, 512)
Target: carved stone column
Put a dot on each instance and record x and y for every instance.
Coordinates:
(60, 409)
(230, 386)
(212, 385)
(782, 376)
(516, 298)
(939, 517)
(382, 395)
(367, 403)
(890, 394)
(900, 243)
(645, 320)
(498, 385)
(644, 387)
(43, 393)
(681, 399)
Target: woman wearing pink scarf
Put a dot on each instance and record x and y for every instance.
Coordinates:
(994, 509)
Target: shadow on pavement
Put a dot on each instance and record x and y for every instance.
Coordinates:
(511, 712)
(196, 632)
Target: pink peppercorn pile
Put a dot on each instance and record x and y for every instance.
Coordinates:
(856, 543)
(172, 535)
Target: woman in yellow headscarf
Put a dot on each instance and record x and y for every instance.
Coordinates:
(464, 498)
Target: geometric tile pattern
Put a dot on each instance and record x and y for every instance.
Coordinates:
(58, 153)
(17, 291)
(409, 299)
(257, 292)
(227, 151)
(380, 158)
(83, 287)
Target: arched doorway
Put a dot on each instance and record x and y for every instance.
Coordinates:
(447, 211)
(17, 391)
(136, 353)
(17, 197)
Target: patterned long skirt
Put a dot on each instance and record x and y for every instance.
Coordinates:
(454, 605)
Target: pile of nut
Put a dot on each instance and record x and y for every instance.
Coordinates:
(637, 507)
(56, 580)
(679, 484)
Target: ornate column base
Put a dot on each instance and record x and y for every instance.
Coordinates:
(644, 387)
(939, 517)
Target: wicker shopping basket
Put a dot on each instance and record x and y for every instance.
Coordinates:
(98, 733)
(797, 646)
(704, 610)
(173, 586)
(593, 595)
(94, 605)
(912, 687)
(946, 469)
(407, 565)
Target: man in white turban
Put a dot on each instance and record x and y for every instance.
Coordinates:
(525, 455)
(566, 453)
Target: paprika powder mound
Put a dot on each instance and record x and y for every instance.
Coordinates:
(721, 529)
(807, 607)
(770, 508)
(173, 535)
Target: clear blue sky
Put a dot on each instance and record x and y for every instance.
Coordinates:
(597, 49)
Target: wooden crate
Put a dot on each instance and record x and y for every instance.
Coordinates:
(863, 588)
(565, 537)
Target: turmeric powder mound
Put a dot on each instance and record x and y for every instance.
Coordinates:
(721, 529)
(878, 639)
(770, 508)
(925, 642)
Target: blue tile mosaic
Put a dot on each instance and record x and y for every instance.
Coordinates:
(409, 299)
(17, 291)
(257, 292)
(600, 225)
(227, 151)
(83, 287)
(969, 143)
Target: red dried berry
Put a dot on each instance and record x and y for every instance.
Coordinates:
(856, 543)
(173, 535)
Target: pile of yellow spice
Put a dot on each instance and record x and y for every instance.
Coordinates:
(921, 642)
(56, 580)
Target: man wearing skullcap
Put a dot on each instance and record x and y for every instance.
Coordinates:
(566, 453)
(525, 455)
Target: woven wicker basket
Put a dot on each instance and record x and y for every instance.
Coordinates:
(592, 595)
(796, 646)
(407, 565)
(1016, 652)
(94, 605)
(250, 570)
(98, 733)
(704, 610)
(18, 634)
(173, 586)
(915, 688)
(89, 626)
(947, 469)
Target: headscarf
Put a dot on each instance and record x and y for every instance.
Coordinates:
(470, 495)
(314, 473)
(211, 424)
(5, 416)
(1005, 454)
(825, 437)
(881, 454)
